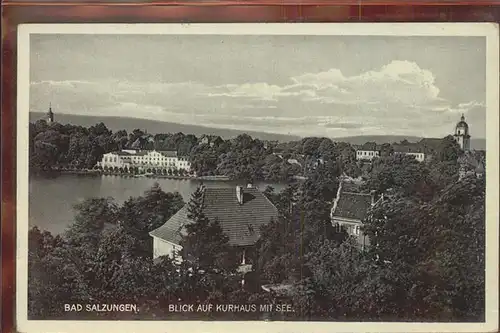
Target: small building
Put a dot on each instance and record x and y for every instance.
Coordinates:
(241, 212)
(145, 159)
(349, 211)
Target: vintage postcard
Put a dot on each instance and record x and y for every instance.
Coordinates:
(257, 177)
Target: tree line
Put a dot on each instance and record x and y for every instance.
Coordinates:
(58, 146)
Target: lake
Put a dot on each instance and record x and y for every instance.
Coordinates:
(51, 200)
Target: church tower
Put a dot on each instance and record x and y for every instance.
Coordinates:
(462, 134)
(50, 115)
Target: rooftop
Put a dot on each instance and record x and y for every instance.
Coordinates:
(139, 152)
(240, 222)
(352, 205)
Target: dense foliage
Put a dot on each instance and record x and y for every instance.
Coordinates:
(426, 262)
(57, 146)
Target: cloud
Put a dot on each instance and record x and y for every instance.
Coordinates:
(398, 98)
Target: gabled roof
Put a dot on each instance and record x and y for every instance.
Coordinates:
(352, 205)
(240, 222)
(168, 153)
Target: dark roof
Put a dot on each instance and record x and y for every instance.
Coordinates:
(168, 153)
(120, 153)
(172, 230)
(462, 123)
(241, 223)
(353, 205)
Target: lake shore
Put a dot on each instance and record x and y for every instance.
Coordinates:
(131, 175)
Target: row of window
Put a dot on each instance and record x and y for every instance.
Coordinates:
(144, 159)
(353, 230)
(367, 153)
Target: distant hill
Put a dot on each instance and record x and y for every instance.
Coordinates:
(154, 127)
(129, 124)
(379, 139)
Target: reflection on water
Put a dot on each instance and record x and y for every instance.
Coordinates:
(51, 200)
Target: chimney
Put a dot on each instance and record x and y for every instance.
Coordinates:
(372, 193)
(239, 194)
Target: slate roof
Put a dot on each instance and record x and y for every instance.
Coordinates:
(140, 152)
(353, 205)
(241, 223)
(168, 153)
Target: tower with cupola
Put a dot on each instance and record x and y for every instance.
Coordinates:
(462, 134)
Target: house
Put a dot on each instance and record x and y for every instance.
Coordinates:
(350, 209)
(409, 149)
(241, 212)
(367, 152)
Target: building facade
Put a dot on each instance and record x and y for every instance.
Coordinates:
(144, 160)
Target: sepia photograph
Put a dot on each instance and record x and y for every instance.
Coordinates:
(285, 174)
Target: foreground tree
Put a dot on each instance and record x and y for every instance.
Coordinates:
(205, 245)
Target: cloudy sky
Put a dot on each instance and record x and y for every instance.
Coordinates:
(331, 86)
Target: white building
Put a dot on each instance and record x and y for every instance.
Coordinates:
(145, 159)
(367, 154)
(409, 149)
